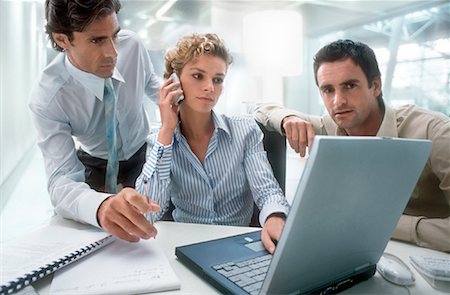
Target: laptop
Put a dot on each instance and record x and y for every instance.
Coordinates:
(348, 201)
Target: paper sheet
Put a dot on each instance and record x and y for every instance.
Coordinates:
(120, 268)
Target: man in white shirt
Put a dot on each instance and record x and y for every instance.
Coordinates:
(67, 102)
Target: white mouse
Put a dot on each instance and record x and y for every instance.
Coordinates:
(395, 270)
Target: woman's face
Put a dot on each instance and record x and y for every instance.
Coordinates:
(202, 81)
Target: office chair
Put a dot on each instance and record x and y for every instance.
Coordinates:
(275, 146)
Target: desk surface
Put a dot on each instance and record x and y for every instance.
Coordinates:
(173, 234)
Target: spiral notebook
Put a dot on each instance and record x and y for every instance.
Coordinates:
(45, 250)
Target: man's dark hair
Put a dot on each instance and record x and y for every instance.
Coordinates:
(68, 16)
(361, 54)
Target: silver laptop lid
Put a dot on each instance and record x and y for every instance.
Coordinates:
(347, 204)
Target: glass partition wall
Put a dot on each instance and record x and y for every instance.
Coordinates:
(413, 51)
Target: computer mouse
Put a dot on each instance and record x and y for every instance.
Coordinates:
(394, 270)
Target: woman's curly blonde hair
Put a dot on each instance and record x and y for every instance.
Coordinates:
(192, 46)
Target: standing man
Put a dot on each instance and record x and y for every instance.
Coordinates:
(93, 93)
(349, 82)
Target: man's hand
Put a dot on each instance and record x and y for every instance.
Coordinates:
(299, 133)
(272, 231)
(122, 215)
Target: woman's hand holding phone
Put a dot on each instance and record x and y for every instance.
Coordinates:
(168, 94)
(177, 99)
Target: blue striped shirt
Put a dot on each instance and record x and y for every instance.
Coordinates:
(235, 175)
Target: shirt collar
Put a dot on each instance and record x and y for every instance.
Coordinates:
(389, 124)
(90, 81)
(219, 124)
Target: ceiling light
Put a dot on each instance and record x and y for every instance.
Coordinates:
(165, 8)
(273, 42)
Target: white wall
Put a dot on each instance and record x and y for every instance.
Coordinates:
(22, 56)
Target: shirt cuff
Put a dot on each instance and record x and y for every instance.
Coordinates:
(88, 206)
(273, 116)
(406, 229)
(270, 209)
(159, 160)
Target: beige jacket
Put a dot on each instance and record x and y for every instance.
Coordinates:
(426, 219)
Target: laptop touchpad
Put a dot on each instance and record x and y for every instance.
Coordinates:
(255, 246)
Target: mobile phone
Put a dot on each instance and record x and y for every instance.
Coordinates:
(178, 98)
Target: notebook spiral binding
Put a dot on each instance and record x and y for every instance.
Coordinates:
(27, 279)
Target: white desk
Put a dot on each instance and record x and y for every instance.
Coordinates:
(173, 234)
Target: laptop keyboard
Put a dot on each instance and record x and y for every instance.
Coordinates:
(247, 274)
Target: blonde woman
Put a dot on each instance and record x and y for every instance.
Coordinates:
(212, 167)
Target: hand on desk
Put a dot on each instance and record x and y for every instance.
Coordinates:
(300, 133)
(122, 215)
(272, 231)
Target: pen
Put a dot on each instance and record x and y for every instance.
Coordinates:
(148, 216)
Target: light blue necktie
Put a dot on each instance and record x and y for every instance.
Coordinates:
(112, 168)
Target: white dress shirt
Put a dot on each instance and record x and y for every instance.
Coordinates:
(67, 103)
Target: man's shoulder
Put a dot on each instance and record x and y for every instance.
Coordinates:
(413, 121)
(127, 38)
(414, 111)
(130, 47)
(50, 82)
(126, 34)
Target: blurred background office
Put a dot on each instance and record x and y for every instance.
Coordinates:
(272, 42)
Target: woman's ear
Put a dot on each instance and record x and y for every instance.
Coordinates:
(61, 39)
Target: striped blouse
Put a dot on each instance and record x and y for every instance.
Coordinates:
(235, 175)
